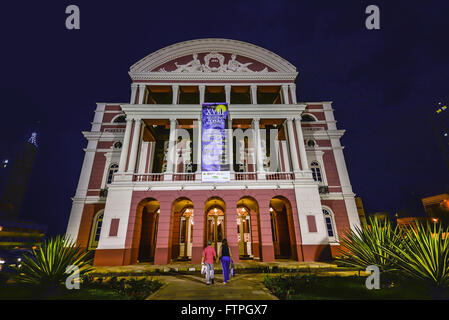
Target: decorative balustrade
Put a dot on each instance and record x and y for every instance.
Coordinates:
(238, 176)
(280, 176)
(245, 176)
(183, 177)
(143, 177)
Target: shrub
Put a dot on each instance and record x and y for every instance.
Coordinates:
(48, 263)
(424, 255)
(370, 244)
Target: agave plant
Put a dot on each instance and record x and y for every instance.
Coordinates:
(368, 245)
(48, 264)
(424, 254)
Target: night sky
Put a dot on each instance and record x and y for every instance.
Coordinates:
(384, 83)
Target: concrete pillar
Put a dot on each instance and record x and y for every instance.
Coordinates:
(266, 236)
(134, 146)
(254, 94)
(133, 93)
(161, 253)
(302, 148)
(230, 146)
(175, 89)
(259, 156)
(125, 146)
(171, 152)
(202, 89)
(142, 89)
(285, 94)
(198, 230)
(198, 148)
(228, 93)
(292, 146)
(293, 93)
(231, 227)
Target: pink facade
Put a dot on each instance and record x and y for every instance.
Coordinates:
(139, 201)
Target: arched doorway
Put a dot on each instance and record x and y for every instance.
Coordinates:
(215, 222)
(247, 228)
(182, 230)
(149, 218)
(282, 228)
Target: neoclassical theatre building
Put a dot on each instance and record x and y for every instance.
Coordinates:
(213, 144)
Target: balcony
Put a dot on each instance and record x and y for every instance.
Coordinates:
(194, 177)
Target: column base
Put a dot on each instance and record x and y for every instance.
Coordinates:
(267, 253)
(161, 256)
(112, 257)
(316, 252)
(197, 253)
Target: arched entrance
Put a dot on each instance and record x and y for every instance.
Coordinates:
(147, 223)
(282, 228)
(182, 232)
(215, 222)
(247, 228)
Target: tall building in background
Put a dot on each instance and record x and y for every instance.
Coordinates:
(157, 182)
(440, 125)
(17, 177)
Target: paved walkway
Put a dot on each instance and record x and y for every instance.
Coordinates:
(193, 287)
(245, 266)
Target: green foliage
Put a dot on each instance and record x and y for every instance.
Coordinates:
(138, 289)
(371, 244)
(48, 263)
(285, 286)
(424, 254)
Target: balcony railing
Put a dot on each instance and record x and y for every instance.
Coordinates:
(183, 177)
(237, 176)
(245, 176)
(280, 176)
(140, 177)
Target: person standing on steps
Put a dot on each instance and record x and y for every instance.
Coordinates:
(226, 259)
(209, 255)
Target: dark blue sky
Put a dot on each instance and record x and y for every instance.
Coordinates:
(384, 83)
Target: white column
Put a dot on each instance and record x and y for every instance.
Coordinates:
(230, 145)
(125, 146)
(285, 93)
(175, 89)
(134, 146)
(198, 149)
(292, 145)
(254, 94)
(228, 93)
(171, 152)
(142, 88)
(133, 93)
(293, 93)
(202, 89)
(258, 147)
(302, 148)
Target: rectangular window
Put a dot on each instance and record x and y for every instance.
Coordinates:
(113, 231)
(311, 222)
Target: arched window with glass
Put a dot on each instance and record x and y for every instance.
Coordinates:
(113, 168)
(316, 171)
(97, 223)
(330, 225)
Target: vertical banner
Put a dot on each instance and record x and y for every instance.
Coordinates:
(214, 160)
